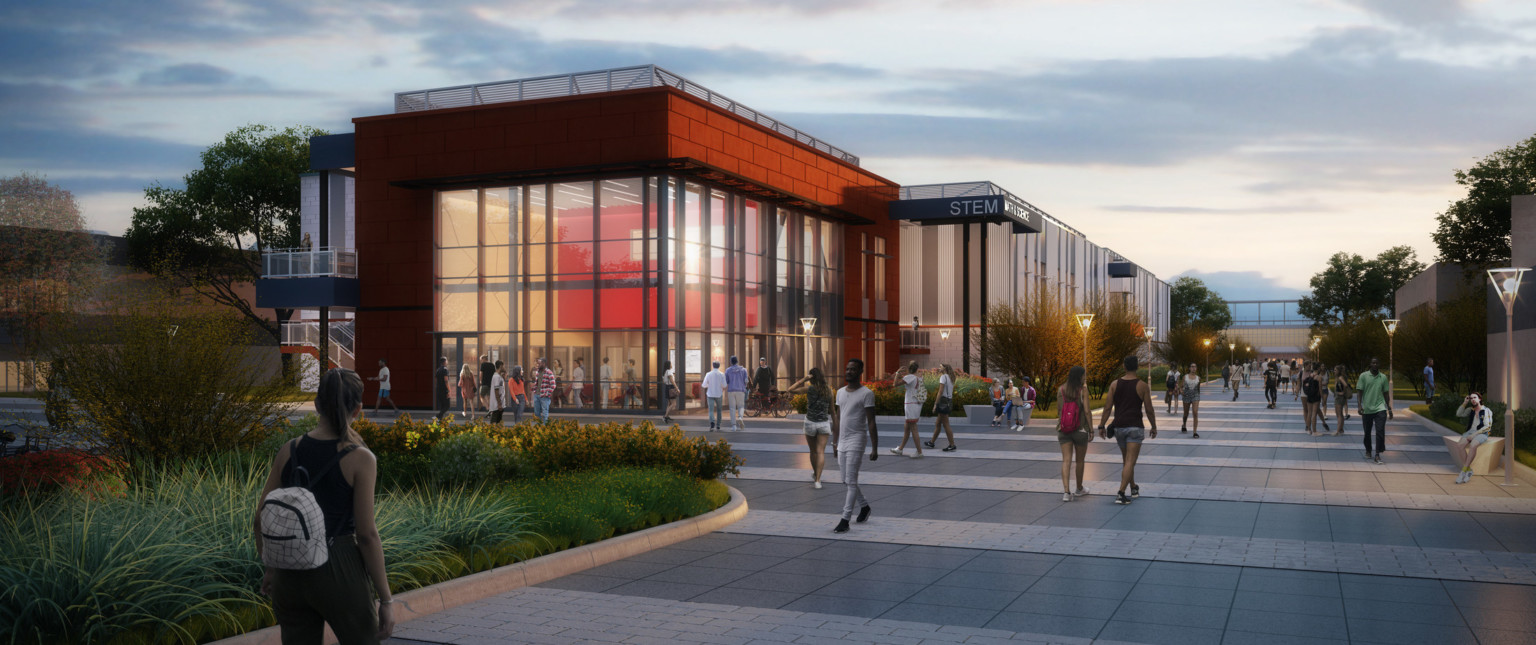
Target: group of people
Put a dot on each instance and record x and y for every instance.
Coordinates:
(498, 390)
(723, 389)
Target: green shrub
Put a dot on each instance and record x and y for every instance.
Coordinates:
(572, 509)
(470, 458)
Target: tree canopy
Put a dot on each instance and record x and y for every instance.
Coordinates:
(244, 200)
(1192, 304)
(1474, 230)
(1352, 288)
(45, 256)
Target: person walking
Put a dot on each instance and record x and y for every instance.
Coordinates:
(1074, 429)
(1271, 384)
(912, 404)
(487, 369)
(1296, 367)
(1320, 372)
(1479, 423)
(1342, 392)
(998, 402)
(943, 407)
(1025, 405)
(350, 592)
(1189, 392)
(853, 430)
(1311, 390)
(605, 390)
(1226, 377)
(543, 389)
(578, 382)
(498, 399)
(714, 393)
(1429, 380)
(736, 393)
(669, 391)
(383, 379)
(469, 401)
(562, 386)
(1171, 387)
(1236, 379)
(1125, 402)
(440, 388)
(764, 381)
(1285, 376)
(818, 419)
(517, 393)
(1375, 400)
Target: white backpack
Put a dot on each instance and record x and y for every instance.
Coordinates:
(292, 524)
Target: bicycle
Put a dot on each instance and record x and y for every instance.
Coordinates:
(773, 403)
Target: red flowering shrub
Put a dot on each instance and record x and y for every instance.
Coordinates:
(67, 469)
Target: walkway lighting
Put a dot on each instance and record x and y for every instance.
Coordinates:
(1507, 282)
(1085, 321)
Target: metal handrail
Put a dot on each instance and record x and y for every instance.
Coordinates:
(305, 263)
(343, 336)
(914, 338)
(595, 82)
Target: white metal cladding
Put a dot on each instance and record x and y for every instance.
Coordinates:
(596, 82)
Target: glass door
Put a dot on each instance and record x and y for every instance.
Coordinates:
(461, 350)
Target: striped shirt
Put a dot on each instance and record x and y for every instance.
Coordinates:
(544, 387)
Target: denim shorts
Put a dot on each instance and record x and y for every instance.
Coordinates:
(1477, 439)
(1129, 434)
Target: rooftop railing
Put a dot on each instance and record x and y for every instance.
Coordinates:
(307, 263)
(607, 80)
(976, 189)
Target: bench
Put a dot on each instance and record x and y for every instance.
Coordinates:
(979, 413)
(1489, 459)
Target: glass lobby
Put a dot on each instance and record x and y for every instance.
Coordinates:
(610, 278)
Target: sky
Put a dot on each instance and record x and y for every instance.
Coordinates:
(1240, 141)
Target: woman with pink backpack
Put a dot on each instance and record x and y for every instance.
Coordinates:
(1073, 430)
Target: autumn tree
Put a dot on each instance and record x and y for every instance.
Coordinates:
(1116, 333)
(1474, 230)
(1034, 336)
(243, 201)
(46, 257)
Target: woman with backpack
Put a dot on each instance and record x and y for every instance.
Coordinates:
(1342, 392)
(1312, 397)
(1170, 386)
(1073, 430)
(335, 471)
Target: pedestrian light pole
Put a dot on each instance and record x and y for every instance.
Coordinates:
(1085, 321)
(1391, 325)
(1507, 282)
(1148, 333)
(809, 325)
(1231, 353)
(1207, 369)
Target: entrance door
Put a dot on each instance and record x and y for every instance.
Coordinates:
(460, 350)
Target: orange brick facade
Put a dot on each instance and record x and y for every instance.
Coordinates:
(570, 135)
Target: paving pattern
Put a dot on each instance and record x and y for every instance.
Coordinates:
(1254, 533)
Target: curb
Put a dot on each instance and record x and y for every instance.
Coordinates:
(1523, 472)
(442, 596)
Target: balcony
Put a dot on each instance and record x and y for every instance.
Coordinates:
(303, 263)
(308, 279)
(914, 341)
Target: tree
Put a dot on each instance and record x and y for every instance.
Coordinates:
(1035, 337)
(209, 236)
(1454, 333)
(1474, 230)
(1353, 344)
(45, 256)
(1185, 345)
(1191, 303)
(1352, 288)
(1115, 334)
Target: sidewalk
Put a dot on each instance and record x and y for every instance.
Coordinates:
(1254, 533)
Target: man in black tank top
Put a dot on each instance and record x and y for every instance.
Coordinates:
(1127, 399)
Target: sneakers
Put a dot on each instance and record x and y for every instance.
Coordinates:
(917, 456)
(1464, 477)
(1121, 499)
(896, 451)
(951, 448)
(1196, 435)
(1081, 491)
(928, 444)
(816, 485)
(1367, 455)
(863, 514)
(1184, 429)
(1018, 428)
(842, 527)
(1135, 491)
(1378, 458)
(1067, 497)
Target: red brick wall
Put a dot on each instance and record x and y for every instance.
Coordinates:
(394, 225)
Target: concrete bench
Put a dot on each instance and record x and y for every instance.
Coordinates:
(979, 413)
(1489, 459)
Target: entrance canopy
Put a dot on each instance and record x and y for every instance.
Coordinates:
(966, 203)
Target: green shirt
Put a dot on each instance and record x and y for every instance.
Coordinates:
(1373, 392)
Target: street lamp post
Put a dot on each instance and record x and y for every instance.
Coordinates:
(1085, 320)
(1391, 325)
(1206, 373)
(1507, 282)
(1149, 333)
(808, 324)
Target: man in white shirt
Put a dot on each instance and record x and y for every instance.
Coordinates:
(853, 430)
(604, 384)
(383, 379)
(714, 393)
(578, 381)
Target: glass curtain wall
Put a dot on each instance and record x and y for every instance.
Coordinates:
(608, 279)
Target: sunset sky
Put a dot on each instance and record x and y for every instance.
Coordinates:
(1240, 141)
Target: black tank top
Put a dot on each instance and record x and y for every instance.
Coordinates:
(332, 492)
(1127, 404)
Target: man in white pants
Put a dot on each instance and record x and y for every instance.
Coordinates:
(578, 381)
(736, 393)
(853, 430)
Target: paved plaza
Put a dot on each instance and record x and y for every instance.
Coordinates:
(1254, 533)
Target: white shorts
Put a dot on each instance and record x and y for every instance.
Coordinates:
(813, 428)
(914, 410)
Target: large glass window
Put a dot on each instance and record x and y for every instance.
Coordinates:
(576, 272)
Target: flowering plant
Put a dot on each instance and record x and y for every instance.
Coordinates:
(67, 469)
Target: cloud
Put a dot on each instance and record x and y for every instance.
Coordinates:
(187, 74)
(1269, 209)
(1418, 13)
(1244, 285)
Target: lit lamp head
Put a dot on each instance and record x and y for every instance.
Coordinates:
(944, 334)
(1149, 332)
(1391, 325)
(1207, 343)
(1085, 320)
(1507, 281)
(808, 324)
(1232, 346)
